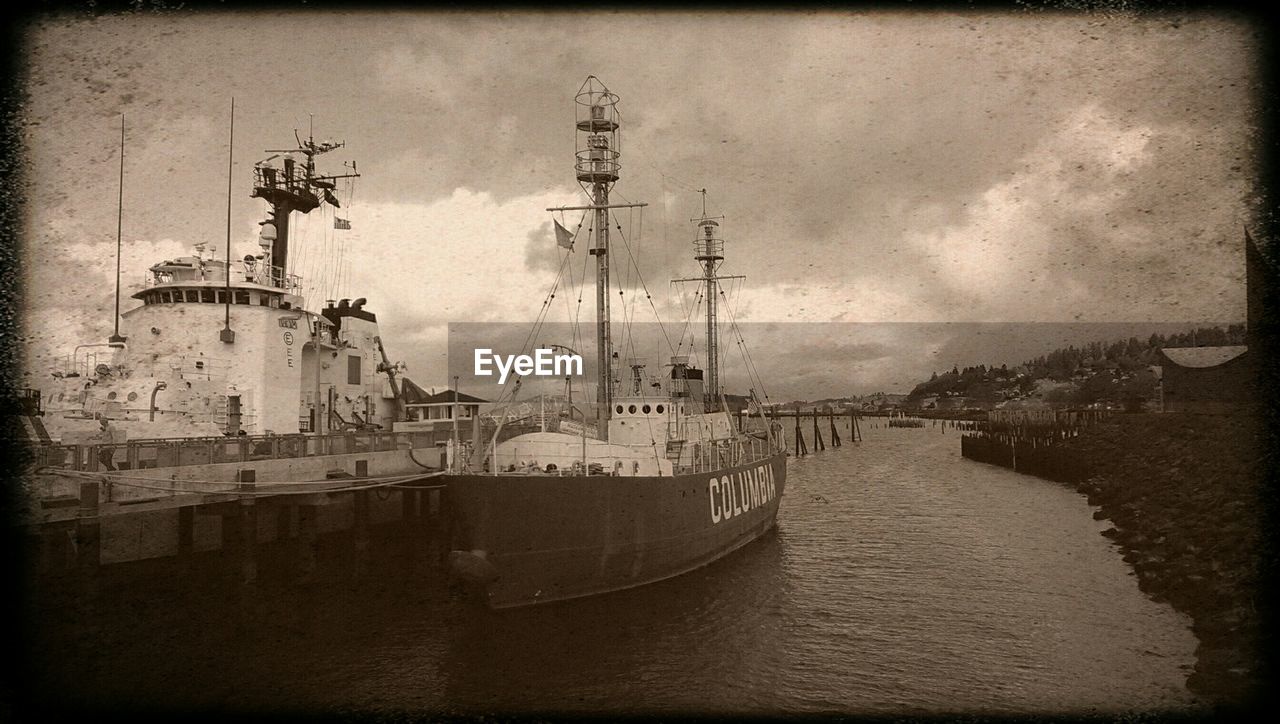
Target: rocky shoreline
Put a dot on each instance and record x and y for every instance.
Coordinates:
(1184, 495)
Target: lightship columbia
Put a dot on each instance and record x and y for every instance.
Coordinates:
(661, 484)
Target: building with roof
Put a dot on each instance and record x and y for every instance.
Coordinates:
(440, 410)
(1206, 379)
(1220, 379)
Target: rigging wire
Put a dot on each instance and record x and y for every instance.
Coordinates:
(537, 324)
(645, 286)
(690, 312)
(577, 284)
(752, 372)
(346, 278)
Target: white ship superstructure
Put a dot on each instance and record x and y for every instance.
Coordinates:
(225, 347)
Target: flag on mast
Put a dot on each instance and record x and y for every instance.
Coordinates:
(564, 237)
(339, 223)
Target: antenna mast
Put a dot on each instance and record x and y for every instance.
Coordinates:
(290, 189)
(115, 338)
(227, 334)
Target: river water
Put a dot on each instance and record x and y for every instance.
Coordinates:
(901, 579)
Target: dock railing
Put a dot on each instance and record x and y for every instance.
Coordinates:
(171, 452)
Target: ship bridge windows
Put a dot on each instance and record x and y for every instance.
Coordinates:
(212, 295)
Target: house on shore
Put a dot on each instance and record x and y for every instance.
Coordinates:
(1221, 379)
(440, 411)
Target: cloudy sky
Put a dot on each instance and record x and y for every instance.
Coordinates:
(874, 169)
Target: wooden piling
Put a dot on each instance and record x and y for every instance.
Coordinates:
(835, 434)
(801, 448)
(408, 505)
(248, 541)
(284, 522)
(307, 542)
(360, 530)
(88, 538)
(444, 526)
(186, 532)
(817, 433)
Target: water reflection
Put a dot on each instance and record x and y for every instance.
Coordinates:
(629, 650)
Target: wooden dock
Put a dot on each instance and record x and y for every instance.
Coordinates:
(90, 506)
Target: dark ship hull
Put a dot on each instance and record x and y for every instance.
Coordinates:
(526, 539)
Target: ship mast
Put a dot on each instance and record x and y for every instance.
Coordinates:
(290, 189)
(708, 249)
(597, 170)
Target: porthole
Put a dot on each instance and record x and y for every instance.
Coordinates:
(646, 409)
(133, 396)
(619, 409)
(631, 409)
(660, 409)
(111, 395)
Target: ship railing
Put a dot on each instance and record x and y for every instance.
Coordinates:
(242, 273)
(292, 179)
(77, 365)
(725, 454)
(194, 368)
(178, 452)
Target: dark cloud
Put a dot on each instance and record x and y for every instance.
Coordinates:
(922, 167)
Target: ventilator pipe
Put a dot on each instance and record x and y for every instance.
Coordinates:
(160, 385)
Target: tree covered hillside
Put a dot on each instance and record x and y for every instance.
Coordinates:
(1116, 373)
